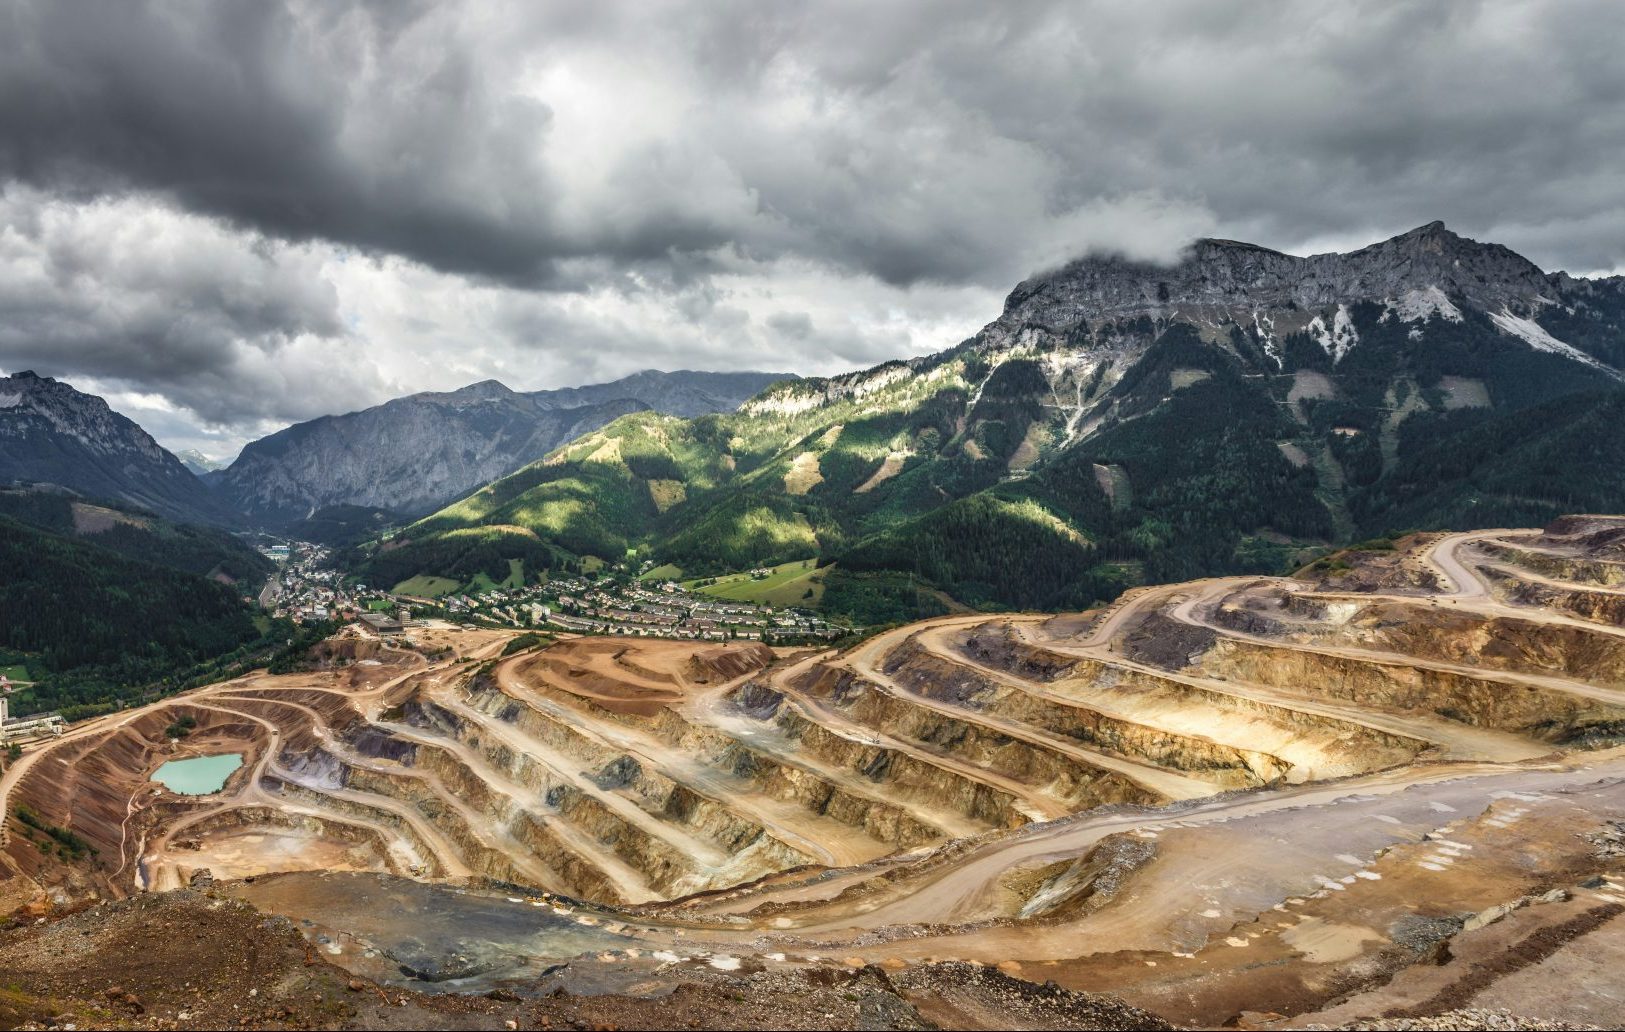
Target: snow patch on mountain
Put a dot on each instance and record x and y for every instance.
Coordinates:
(1264, 327)
(1342, 336)
(1535, 335)
(1418, 305)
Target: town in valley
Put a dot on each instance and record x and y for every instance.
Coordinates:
(624, 599)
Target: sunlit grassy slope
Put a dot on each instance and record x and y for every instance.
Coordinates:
(799, 583)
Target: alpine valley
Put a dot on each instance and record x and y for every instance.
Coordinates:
(1118, 423)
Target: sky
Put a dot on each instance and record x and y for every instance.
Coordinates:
(228, 216)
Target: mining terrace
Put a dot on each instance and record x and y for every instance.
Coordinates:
(1294, 798)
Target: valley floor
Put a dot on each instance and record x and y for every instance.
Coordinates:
(1391, 786)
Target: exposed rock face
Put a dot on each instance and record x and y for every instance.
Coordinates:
(1228, 273)
(1426, 272)
(1101, 304)
(413, 454)
(53, 434)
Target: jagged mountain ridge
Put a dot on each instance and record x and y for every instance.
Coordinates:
(413, 454)
(1094, 307)
(51, 433)
(1119, 421)
(1229, 274)
(1270, 295)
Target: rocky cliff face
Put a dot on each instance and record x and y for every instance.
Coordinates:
(413, 454)
(1267, 295)
(1255, 304)
(53, 434)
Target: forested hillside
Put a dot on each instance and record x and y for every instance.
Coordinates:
(91, 621)
(204, 551)
(92, 625)
(1521, 469)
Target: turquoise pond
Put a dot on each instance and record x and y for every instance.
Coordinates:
(199, 775)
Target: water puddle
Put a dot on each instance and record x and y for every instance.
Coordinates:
(200, 775)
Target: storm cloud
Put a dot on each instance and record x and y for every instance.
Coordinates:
(248, 213)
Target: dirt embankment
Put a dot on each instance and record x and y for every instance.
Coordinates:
(1566, 564)
(1397, 571)
(1070, 889)
(1603, 538)
(941, 678)
(189, 960)
(1431, 632)
(725, 663)
(1536, 712)
(1602, 606)
(999, 646)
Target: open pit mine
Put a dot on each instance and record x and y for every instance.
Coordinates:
(1390, 785)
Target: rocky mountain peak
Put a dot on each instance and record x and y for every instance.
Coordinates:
(71, 411)
(1435, 232)
(1221, 281)
(1489, 275)
(484, 390)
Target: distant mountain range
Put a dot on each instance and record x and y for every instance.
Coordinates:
(400, 459)
(411, 455)
(1119, 422)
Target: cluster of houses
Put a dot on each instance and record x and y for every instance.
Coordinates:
(610, 605)
(307, 588)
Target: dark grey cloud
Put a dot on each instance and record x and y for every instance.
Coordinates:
(402, 194)
(374, 125)
(117, 290)
(903, 141)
